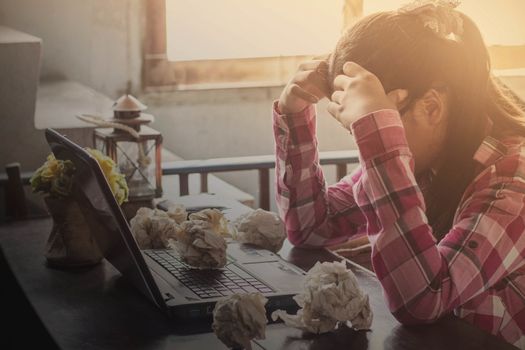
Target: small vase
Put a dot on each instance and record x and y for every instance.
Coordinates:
(71, 243)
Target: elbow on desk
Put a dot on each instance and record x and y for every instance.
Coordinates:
(298, 235)
(428, 305)
(417, 315)
(407, 319)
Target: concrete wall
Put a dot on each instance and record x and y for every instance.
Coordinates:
(231, 122)
(19, 71)
(95, 42)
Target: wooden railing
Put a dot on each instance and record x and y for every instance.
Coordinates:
(183, 168)
(262, 164)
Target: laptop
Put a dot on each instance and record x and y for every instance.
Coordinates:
(182, 292)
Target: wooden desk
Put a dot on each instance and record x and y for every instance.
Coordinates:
(98, 309)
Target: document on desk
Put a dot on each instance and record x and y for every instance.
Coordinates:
(229, 207)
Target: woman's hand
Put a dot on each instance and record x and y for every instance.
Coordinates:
(308, 86)
(357, 93)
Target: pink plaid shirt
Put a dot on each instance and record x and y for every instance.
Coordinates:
(476, 271)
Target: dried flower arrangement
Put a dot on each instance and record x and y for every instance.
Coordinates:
(54, 177)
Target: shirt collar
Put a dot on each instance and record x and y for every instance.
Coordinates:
(491, 149)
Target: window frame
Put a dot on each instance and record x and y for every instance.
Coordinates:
(161, 74)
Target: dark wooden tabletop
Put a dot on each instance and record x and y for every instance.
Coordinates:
(97, 309)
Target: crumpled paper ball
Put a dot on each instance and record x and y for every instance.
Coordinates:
(215, 218)
(331, 297)
(200, 246)
(239, 318)
(153, 228)
(178, 213)
(261, 228)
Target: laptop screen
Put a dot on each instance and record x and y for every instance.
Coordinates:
(104, 216)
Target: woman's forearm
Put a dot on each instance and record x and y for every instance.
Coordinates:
(314, 214)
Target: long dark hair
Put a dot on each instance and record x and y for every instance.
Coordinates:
(403, 53)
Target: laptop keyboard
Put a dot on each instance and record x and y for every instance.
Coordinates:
(211, 283)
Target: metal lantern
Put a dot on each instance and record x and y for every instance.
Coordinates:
(137, 154)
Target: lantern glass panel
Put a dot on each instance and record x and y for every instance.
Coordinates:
(139, 171)
(100, 144)
(143, 170)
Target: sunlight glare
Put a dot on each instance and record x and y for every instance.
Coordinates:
(500, 22)
(211, 29)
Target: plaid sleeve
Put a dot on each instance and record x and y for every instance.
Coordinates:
(423, 280)
(314, 214)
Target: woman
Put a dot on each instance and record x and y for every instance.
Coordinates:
(440, 189)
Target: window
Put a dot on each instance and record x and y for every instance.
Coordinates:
(500, 22)
(233, 29)
(210, 43)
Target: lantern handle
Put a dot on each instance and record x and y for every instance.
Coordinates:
(101, 122)
(143, 160)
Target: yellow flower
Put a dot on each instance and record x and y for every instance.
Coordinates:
(116, 180)
(54, 177)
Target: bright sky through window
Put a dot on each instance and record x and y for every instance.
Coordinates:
(500, 22)
(221, 29)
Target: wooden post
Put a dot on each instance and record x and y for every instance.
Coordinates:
(16, 206)
(204, 182)
(264, 189)
(340, 171)
(155, 40)
(184, 186)
(155, 60)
